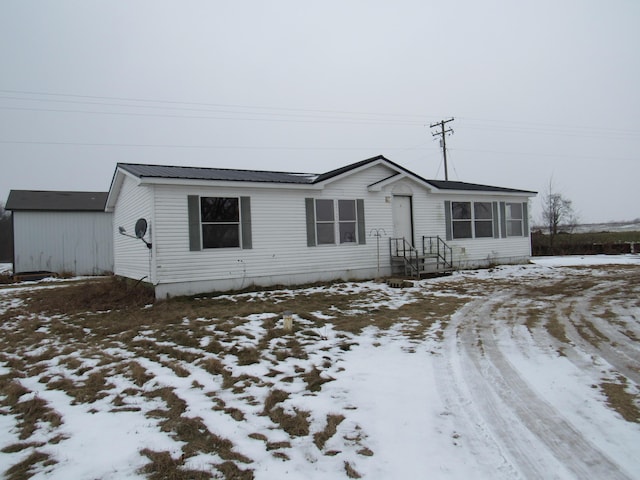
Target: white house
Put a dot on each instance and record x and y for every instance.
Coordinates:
(220, 229)
(61, 232)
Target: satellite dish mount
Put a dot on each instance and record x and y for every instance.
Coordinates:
(140, 230)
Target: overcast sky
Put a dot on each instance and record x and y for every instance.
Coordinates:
(540, 90)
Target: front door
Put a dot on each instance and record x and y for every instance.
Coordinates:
(402, 218)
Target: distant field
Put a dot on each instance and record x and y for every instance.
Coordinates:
(583, 242)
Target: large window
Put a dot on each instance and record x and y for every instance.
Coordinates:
(331, 222)
(220, 217)
(470, 219)
(514, 219)
(219, 222)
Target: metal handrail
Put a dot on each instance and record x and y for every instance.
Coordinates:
(436, 246)
(400, 247)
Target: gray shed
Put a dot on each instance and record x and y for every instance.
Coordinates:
(61, 232)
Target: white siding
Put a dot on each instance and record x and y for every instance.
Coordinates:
(71, 242)
(480, 252)
(131, 256)
(279, 253)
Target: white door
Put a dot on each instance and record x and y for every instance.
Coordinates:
(402, 218)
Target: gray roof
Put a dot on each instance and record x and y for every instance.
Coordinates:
(56, 200)
(224, 174)
(473, 187)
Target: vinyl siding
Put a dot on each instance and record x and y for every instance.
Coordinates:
(279, 237)
(280, 251)
(131, 256)
(475, 252)
(71, 242)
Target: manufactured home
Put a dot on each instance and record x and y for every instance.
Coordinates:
(61, 232)
(188, 230)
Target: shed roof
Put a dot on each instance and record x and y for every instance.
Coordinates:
(50, 200)
(224, 174)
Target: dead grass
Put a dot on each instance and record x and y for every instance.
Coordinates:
(556, 329)
(350, 471)
(163, 466)
(320, 438)
(28, 412)
(73, 323)
(621, 400)
(296, 425)
(24, 470)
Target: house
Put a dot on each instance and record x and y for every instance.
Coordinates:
(210, 229)
(61, 232)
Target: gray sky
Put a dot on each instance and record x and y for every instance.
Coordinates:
(539, 90)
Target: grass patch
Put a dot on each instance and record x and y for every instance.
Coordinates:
(163, 466)
(556, 329)
(320, 438)
(296, 425)
(24, 469)
(621, 400)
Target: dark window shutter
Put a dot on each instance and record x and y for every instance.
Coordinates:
(245, 216)
(525, 219)
(503, 220)
(362, 234)
(195, 238)
(496, 221)
(447, 219)
(310, 206)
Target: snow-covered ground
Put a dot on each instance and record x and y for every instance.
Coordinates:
(5, 268)
(490, 392)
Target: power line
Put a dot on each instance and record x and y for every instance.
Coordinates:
(205, 104)
(220, 147)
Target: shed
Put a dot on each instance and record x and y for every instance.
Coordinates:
(61, 232)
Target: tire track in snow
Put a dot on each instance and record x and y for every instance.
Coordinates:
(466, 418)
(616, 349)
(537, 437)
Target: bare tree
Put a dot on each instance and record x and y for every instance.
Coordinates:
(557, 213)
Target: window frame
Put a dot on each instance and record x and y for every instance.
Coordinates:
(468, 227)
(484, 222)
(346, 220)
(462, 222)
(236, 223)
(512, 221)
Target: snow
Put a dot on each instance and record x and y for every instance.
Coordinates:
(413, 407)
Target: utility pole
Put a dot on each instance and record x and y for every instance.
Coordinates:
(443, 141)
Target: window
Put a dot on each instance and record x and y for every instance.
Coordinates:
(471, 219)
(331, 222)
(483, 219)
(325, 222)
(220, 217)
(219, 222)
(461, 216)
(514, 219)
(347, 220)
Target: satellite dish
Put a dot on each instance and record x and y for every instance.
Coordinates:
(141, 228)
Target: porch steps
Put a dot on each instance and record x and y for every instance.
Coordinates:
(434, 259)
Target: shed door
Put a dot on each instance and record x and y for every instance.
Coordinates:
(402, 218)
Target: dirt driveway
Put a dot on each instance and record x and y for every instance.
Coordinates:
(512, 356)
